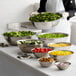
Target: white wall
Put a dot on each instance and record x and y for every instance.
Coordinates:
(14, 11)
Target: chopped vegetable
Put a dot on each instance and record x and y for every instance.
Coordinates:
(46, 60)
(59, 45)
(41, 50)
(19, 34)
(30, 42)
(58, 52)
(45, 17)
(52, 35)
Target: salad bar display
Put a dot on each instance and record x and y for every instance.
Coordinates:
(45, 48)
(48, 54)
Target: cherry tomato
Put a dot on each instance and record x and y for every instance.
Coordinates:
(41, 50)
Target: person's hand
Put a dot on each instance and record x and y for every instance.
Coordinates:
(65, 14)
(34, 13)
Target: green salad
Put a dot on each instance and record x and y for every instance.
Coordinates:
(30, 42)
(45, 17)
(19, 34)
(52, 35)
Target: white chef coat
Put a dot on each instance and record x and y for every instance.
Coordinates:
(54, 6)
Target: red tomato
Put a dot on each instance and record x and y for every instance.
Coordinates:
(41, 50)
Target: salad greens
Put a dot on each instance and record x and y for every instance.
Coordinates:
(52, 35)
(19, 34)
(30, 42)
(45, 17)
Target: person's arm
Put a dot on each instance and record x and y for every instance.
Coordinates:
(66, 4)
(69, 6)
(42, 7)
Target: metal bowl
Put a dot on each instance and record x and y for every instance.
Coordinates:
(61, 58)
(27, 48)
(45, 64)
(12, 40)
(61, 47)
(62, 65)
(39, 55)
(46, 25)
(52, 40)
